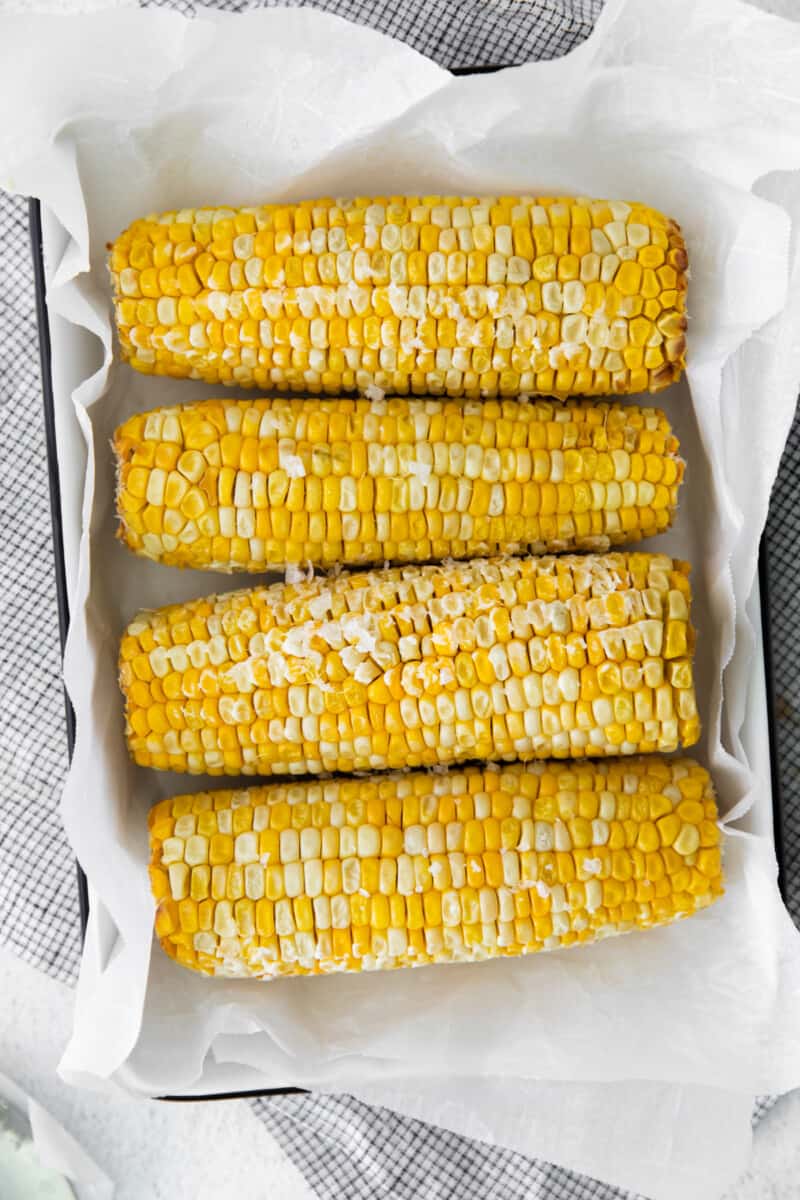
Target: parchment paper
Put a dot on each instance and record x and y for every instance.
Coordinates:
(695, 109)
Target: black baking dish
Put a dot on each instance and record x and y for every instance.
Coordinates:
(63, 610)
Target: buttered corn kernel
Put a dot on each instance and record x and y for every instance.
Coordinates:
(480, 864)
(515, 658)
(247, 485)
(426, 295)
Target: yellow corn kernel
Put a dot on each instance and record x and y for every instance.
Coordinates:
(210, 293)
(196, 490)
(387, 695)
(316, 915)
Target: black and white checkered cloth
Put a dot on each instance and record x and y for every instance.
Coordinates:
(345, 1149)
(783, 539)
(350, 1151)
(457, 34)
(38, 897)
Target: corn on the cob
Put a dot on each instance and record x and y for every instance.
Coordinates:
(492, 659)
(368, 874)
(247, 485)
(431, 295)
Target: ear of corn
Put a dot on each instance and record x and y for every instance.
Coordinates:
(248, 485)
(366, 874)
(492, 659)
(430, 295)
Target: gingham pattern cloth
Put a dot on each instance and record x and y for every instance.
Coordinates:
(38, 897)
(457, 34)
(350, 1151)
(782, 540)
(345, 1149)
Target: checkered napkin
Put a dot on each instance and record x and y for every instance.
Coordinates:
(345, 1149)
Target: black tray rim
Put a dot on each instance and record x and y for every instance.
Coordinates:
(62, 600)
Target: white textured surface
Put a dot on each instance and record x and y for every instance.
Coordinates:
(774, 1173)
(152, 1150)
